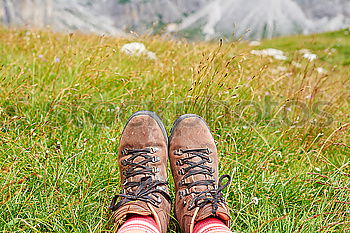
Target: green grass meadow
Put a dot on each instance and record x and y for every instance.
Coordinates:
(282, 127)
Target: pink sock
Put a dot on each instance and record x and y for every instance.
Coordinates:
(211, 225)
(139, 223)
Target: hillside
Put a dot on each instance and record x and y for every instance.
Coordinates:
(280, 120)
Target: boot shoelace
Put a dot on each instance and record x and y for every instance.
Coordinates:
(212, 195)
(147, 188)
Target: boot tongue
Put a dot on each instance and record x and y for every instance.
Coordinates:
(137, 178)
(198, 177)
(206, 212)
(133, 207)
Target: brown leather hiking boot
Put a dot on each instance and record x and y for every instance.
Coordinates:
(142, 156)
(194, 164)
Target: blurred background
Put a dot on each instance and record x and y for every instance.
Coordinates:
(191, 19)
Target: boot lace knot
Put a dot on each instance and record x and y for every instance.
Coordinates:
(147, 189)
(213, 194)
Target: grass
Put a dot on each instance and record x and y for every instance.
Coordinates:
(282, 128)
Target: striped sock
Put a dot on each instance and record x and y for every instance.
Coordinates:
(139, 223)
(212, 225)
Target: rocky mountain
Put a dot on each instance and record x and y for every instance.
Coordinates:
(61, 15)
(200, 19)
(266, 18)
(150, 15)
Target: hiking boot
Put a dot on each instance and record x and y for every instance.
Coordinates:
(194, 164)
(142, 157)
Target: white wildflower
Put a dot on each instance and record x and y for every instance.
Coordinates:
(280, 57)
(275, 53)
(304, 51)
(255, 200)
(255, 43)
(310, 56)
(234, 170)
(321, 70)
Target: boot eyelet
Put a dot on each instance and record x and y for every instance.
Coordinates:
(178, 152)
(181, 182)
(179, 162)
(212, 171)
(155, 159)
(153, 150)
(155, 169)
(159, 200)
(125, 151)
(181, 171)
(184, 203)
(210, 160)
(183, 193)
(124, 162)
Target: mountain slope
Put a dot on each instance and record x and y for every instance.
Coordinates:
(142, 16)
(257, 19)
